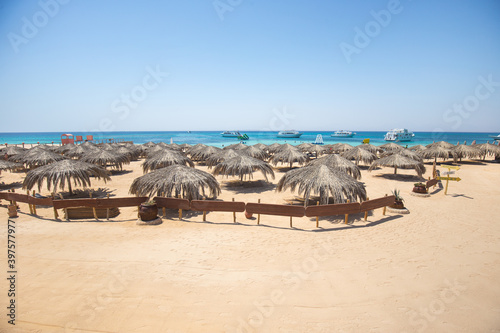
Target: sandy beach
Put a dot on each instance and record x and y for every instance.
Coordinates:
(433, 270)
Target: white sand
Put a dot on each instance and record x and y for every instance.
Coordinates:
(434, 270)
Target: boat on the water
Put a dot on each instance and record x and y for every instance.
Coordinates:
(231, 134)
(343, 134)
(289, 134)
(398, 135)
(495, 137)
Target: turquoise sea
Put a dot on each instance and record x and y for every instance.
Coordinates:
(214, 137)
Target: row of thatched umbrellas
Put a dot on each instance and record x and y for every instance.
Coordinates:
(171, 172)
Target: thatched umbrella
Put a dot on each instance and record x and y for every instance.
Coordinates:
(391, 146)
(62, 172)
(37, 156)
(435, 152)
(103, 158)
(399, 161)
(260, 146)
(64, 148)
(242, 166)
(337, 162)
(488, 148)
(371, 148)
(164, 158)
(255, 152)
(202, 154)
(221, 155)
(273, 147)
(418, 148)
(359, 154)
(461, 151)
(236, 146)
(149, 144)
(340, 147)
(325, 182)
(289, 154)
(305, 146)
(403, 152)
(196, 149)
(131, 152)
(12, 150)
(443, 144)
(317, 150)
(9, 165)
(176, 180)
(80, 150)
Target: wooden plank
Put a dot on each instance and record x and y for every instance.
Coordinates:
(66, 203)
(335, 209)
(18, 197)
(270, 209)
(40, 201)
(431, 182)
(217, 206)
(174, 203)
(377, 203)
(4, 195)
(120, 202)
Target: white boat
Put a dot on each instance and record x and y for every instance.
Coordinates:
(343, 134)
(289, 134)
(398, 135)
(231, 134)
(497, 137)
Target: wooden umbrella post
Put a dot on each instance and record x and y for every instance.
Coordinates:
(107, 209)
(347, 215)
(385, 208)
(164, 210)
(180, 210)
(29, 205)
(56, 215)
(291, 226)
(65, 210)
(366, 213)
(34, 206)
(317, 217)
(204, 214)
(258, 215)
(234, 214)
(93, 208)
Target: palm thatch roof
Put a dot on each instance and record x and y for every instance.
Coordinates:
(324, 181)
(149, 144)
(391, 146)
(131, 152)
(273, 147)
(203, 153)
(236, 146)
(80, 150)
(341, 147)
(359, 155)
(435, 152)
(489, 149)
(399, 161)
(64, 148)
(443, 144)
(243, 166)
(337, 162)
(9, 165)
(37, 156)
(195, 149)
(465, 151)
(289, 154)
(317, 150)
(255, 152)
(260, 146)
(417, 148)
(175, 180)
(305, 146)
(12, 150)
(403, 152)
(59, 174)
(103, 158)
(371, 148)
(164, 158)
(221, 155)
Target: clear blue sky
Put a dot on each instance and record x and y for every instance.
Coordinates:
(249, 65)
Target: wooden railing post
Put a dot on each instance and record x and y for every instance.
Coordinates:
(317, 217)
(385, 208)
(347, 215)
(29, 205)
(234, 214)
(258, 215)
(107, 209)
(366, 213)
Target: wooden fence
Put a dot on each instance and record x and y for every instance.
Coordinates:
(204, 206)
